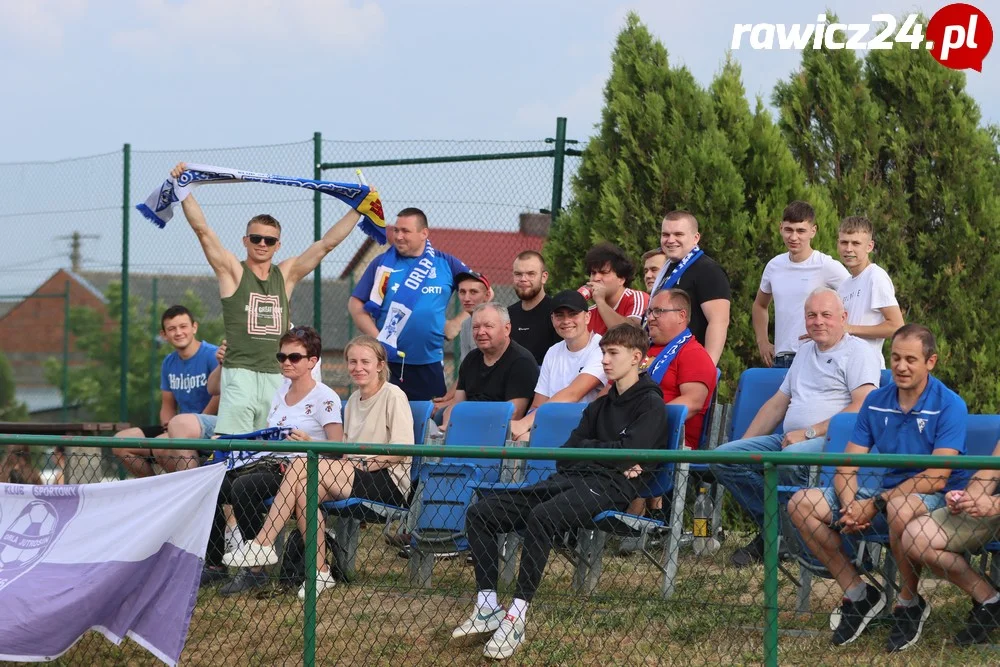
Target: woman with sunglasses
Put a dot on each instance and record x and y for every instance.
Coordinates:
(377, 413)
(313, 411)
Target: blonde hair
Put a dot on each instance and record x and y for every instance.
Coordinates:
(372, 344)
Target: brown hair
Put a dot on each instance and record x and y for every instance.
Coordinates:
(364, 340)
(627, 336)
(799, 211)
(856, 223)
(681, 214)
(921, 333)
(307, 337)
(413, 212)
(652, 253)
(530, 254)
(264, 219)
(607, 253)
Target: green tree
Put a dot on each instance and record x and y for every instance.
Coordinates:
(665, 143)
(896, 137)
(11, 409)
(95, 384)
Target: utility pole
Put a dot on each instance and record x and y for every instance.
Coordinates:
(75, 256)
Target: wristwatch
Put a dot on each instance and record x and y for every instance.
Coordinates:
(810, 433)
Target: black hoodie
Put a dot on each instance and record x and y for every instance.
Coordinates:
(633, 420)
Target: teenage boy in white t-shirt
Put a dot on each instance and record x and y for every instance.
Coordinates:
(868, 293)
(788, 279)
(571, 371)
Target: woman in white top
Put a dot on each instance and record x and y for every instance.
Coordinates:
(313, 411)
(377, 413)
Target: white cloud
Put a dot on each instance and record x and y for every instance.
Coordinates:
(266, 29)
(40, 23)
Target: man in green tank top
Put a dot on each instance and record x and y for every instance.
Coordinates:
(255, 308)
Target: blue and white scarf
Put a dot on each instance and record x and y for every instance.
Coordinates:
(238, 458)
(678, 270)
(659, 367)
(405, 297)
(159, 206)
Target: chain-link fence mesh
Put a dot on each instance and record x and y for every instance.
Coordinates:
(476, 207)
(400, 576)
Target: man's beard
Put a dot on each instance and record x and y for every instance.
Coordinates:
(527, 293)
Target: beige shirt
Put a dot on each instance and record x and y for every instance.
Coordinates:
(385, 418)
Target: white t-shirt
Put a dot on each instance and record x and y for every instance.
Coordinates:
(320, 407)
(789, 283)
(820, 383)
(863, 296)
(560, 367)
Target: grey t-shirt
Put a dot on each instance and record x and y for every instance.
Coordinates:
(466, 343)
(820, 383)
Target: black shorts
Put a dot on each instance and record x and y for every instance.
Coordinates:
(152, 431)
(378, 486)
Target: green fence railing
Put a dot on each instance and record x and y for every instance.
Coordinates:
(648, 609)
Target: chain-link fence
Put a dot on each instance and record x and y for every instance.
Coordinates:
(485, 200)
(407, 569)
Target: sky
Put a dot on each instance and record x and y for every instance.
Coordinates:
(83, 77)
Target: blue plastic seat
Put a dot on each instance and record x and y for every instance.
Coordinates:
(447, 487)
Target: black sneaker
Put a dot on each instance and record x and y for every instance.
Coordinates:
(212, 574)
(749, 554)
(907, 624)
(982, 619)
(855, 616)
(245, 580)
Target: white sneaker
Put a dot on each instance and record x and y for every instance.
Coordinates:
(506, 639)
(234, 538)
(324, 581)
(251, 554)
(481, 622)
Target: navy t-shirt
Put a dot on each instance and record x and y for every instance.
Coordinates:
(937, 421)
(422, 340)
(187, 379)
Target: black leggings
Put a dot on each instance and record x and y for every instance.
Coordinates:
(246, 494)
(544, 510)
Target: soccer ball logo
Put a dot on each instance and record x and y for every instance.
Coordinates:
(28, 536)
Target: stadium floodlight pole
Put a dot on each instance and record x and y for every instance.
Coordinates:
(317, 232)
(126, 207)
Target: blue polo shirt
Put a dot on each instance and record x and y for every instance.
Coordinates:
(423, 337)
(937, 421)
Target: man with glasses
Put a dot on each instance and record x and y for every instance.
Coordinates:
(255, 308)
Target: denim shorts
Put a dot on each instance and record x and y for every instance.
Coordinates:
(932, 501)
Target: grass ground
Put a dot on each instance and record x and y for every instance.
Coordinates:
(715, 617)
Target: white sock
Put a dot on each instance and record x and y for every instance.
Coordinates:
(487, 600)
(900, 602)
(518, 608)
(994, 599)
(856, 593)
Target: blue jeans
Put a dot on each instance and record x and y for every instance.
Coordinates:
(932, 501)
(746, 481)
(783, 360)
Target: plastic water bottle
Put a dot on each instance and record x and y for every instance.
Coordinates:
(704, 544)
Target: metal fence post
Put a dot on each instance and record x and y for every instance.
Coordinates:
(771, 536)
(126, 207)
(557, 167)
(153, 331)
(312, 533)
(65, 355)
(317, 232)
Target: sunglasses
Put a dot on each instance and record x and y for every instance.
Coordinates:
(255, 239)
(294, 357)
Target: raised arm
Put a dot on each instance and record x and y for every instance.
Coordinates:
(295, 269)
(223, 263)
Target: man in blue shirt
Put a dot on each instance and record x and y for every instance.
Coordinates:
(915, 415)
(401, 300)
(183, 390)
